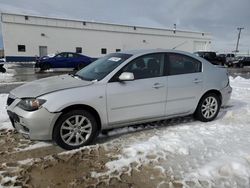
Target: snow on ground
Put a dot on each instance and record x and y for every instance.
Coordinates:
(8, 75)
(36, 146)
(4, 119)
(196, 154)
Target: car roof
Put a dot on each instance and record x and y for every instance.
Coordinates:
(71, 53)
(158, 50)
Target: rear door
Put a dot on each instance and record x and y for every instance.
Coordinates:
(185, 83)
(142, 98)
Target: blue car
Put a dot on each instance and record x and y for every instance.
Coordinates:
(63, 60)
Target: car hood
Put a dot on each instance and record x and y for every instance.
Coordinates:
(47, 85)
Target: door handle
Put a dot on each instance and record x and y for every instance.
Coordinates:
(196, 80)
(158, 85)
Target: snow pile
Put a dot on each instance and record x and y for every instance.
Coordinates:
(155, 148)
(4, 119)
(8, 75)
(236, 170)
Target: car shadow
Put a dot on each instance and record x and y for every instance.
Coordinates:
(112, 134)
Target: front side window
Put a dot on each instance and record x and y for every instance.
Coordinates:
(147, 66)
(102, 67)
(182, 64)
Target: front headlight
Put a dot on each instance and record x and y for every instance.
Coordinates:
(30, 104)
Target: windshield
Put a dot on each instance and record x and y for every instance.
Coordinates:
(102, 67)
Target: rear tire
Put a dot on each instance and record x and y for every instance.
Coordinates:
(75, 129)
(45, 66)
(208, 107)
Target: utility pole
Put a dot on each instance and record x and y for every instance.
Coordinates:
(238, 40)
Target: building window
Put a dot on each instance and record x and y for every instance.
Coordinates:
(26, 17)
(104, 51)
(118, 50)
(83, 23)
(79, 50)
(21, 48)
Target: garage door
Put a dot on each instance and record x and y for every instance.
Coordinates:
(199, 46)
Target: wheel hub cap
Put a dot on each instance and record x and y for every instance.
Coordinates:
(209, 107)
(76, 130)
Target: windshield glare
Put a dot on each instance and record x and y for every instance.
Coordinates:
(102, 67)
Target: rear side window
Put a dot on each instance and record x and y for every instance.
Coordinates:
(64, 55)
(182, 64)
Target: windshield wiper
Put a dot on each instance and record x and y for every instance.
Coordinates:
(76, 75)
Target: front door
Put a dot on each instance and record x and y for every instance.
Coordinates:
(142, 98)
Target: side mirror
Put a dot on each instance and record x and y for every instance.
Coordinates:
(126, 76)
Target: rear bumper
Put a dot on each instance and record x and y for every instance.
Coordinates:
(226, 95)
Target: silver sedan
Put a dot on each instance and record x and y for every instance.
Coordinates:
(117, 90)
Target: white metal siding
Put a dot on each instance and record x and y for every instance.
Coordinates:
(66, 35)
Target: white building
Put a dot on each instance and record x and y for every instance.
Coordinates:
(25, 37)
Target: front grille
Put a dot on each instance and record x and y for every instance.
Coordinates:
(10, 101)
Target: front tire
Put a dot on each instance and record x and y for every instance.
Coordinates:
(45, 66)
(75, 129)
(208, 107)
(80, 66)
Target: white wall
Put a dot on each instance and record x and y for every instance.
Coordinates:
(66, 35)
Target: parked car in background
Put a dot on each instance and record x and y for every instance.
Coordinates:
(230, 57)
(222, 58)
(120, 89)
(240, 62)
(63, 60)
(2, 69)
(210, 56)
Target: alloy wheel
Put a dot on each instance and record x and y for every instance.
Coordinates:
(75, 130)
(209, 107)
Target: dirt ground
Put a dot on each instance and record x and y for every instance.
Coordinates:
(51, 166)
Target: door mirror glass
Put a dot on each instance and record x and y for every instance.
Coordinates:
(126, 76)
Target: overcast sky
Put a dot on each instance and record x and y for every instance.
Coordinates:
(220, 17)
